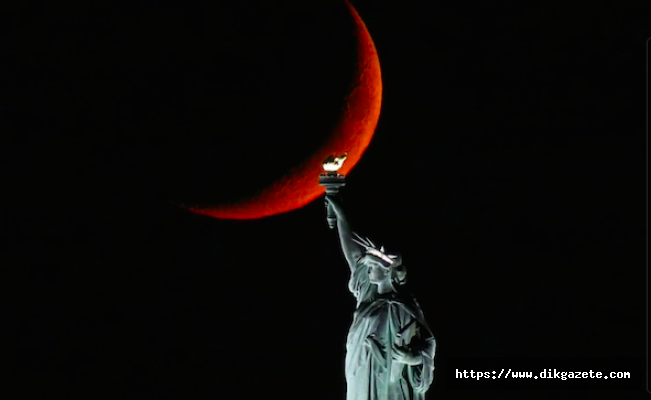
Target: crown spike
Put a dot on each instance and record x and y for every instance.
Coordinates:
(367, 242)
(360, 243)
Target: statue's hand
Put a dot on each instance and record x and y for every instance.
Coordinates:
(334, 204)
(406, 355)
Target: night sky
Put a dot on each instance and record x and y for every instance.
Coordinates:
(503, 168)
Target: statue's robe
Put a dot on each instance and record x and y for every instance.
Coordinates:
(379, 322)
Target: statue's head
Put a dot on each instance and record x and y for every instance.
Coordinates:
(382, 266)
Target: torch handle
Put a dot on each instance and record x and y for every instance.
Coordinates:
(332, 184)
(331, 216)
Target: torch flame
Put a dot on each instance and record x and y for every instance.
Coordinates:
(332, 163)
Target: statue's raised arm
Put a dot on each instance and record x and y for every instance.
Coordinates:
(352, 251)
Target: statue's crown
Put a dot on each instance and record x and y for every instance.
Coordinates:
(373, 250)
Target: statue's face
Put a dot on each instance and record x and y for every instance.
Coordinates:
(377, 272)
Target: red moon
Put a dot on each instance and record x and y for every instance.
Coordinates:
(352, 134)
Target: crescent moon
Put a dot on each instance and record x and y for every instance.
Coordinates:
(352, 134)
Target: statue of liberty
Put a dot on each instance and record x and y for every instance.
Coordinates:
(390, 348)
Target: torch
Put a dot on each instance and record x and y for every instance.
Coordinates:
(332, 181)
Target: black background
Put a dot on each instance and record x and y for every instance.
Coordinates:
(503, 168)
